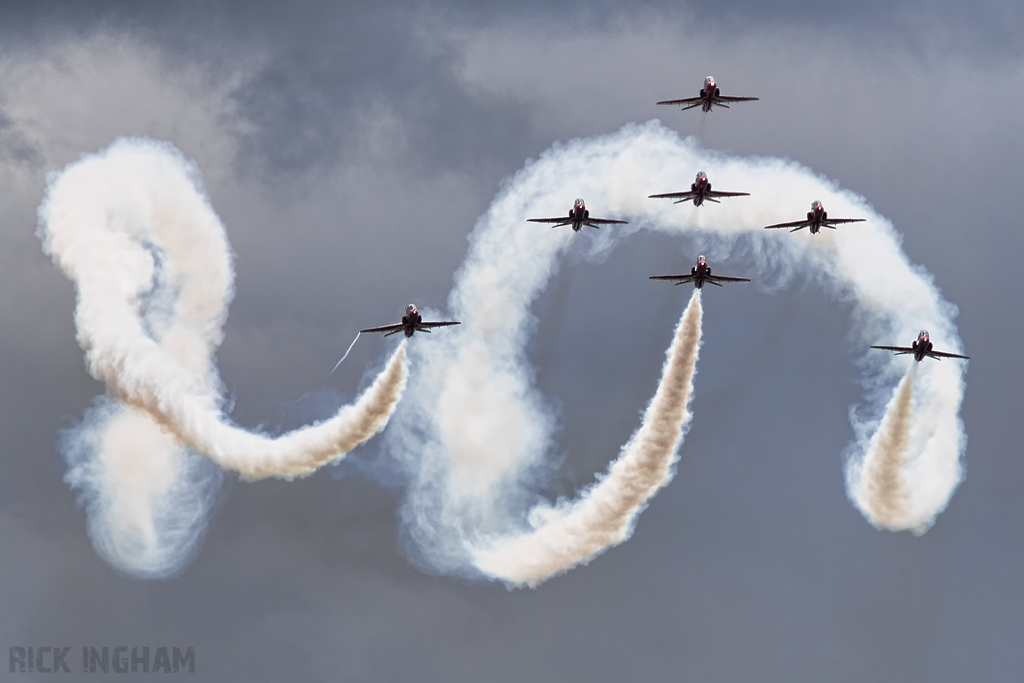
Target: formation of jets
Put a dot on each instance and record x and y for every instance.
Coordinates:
(700, 191)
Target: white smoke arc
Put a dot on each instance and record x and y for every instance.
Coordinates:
(882, 491)
(133, 229)
(147, 499)
(473, 433)
(604, 515)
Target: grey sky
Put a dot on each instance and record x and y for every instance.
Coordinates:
(349, 150)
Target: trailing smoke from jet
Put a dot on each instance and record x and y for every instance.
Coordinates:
(152, 266)
(132, 228)
(882, 491)
(604, 515)
(473, 434)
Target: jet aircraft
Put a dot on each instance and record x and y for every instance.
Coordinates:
(412, 322)
(920, 348)
(699, 274)
(578, 217)
(710, 96)
(700, 190)
(817, 218)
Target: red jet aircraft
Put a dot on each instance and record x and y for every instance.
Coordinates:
(700, 190)
(699, 274)
(709, 97)
(578, 217)
(817, 218)
(920, 348)
(411, 322)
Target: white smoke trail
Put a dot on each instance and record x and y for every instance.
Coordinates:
(882, 491)
(604, 515)
(131, 227)
(473, 433)
(146, 498)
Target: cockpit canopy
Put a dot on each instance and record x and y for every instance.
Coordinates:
(579, 201)
(701, 174)
(816, 204)
(709, 79)
(701, 259)
(410, 308)
(924, 333)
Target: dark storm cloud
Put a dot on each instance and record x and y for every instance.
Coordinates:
(322, 67)
(327, 65)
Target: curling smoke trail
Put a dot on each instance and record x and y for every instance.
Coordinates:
(473, 433)
(882, 491)
(605, 514)
(132, 229)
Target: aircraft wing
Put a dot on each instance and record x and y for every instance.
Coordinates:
(692, 101)
(725, 278)
(598, 222)
(839, 221)
(897, 349)
(557, 221)
(387, 329)
(796, 225)
(681, 196)
(423, 326)
(943, 354)
(723, 98)
(680, 279)
(716, 193)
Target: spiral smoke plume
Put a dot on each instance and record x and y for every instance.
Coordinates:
(473, 434)
(132, 228)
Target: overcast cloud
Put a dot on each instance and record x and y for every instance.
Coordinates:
(349, 150)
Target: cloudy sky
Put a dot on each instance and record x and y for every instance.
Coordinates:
(349, 151)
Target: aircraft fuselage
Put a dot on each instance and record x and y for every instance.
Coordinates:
(922, 346)
(700, 272)
(701, 186)
(578, 214)
(816, 216)
(410, 320)
(708, 94)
